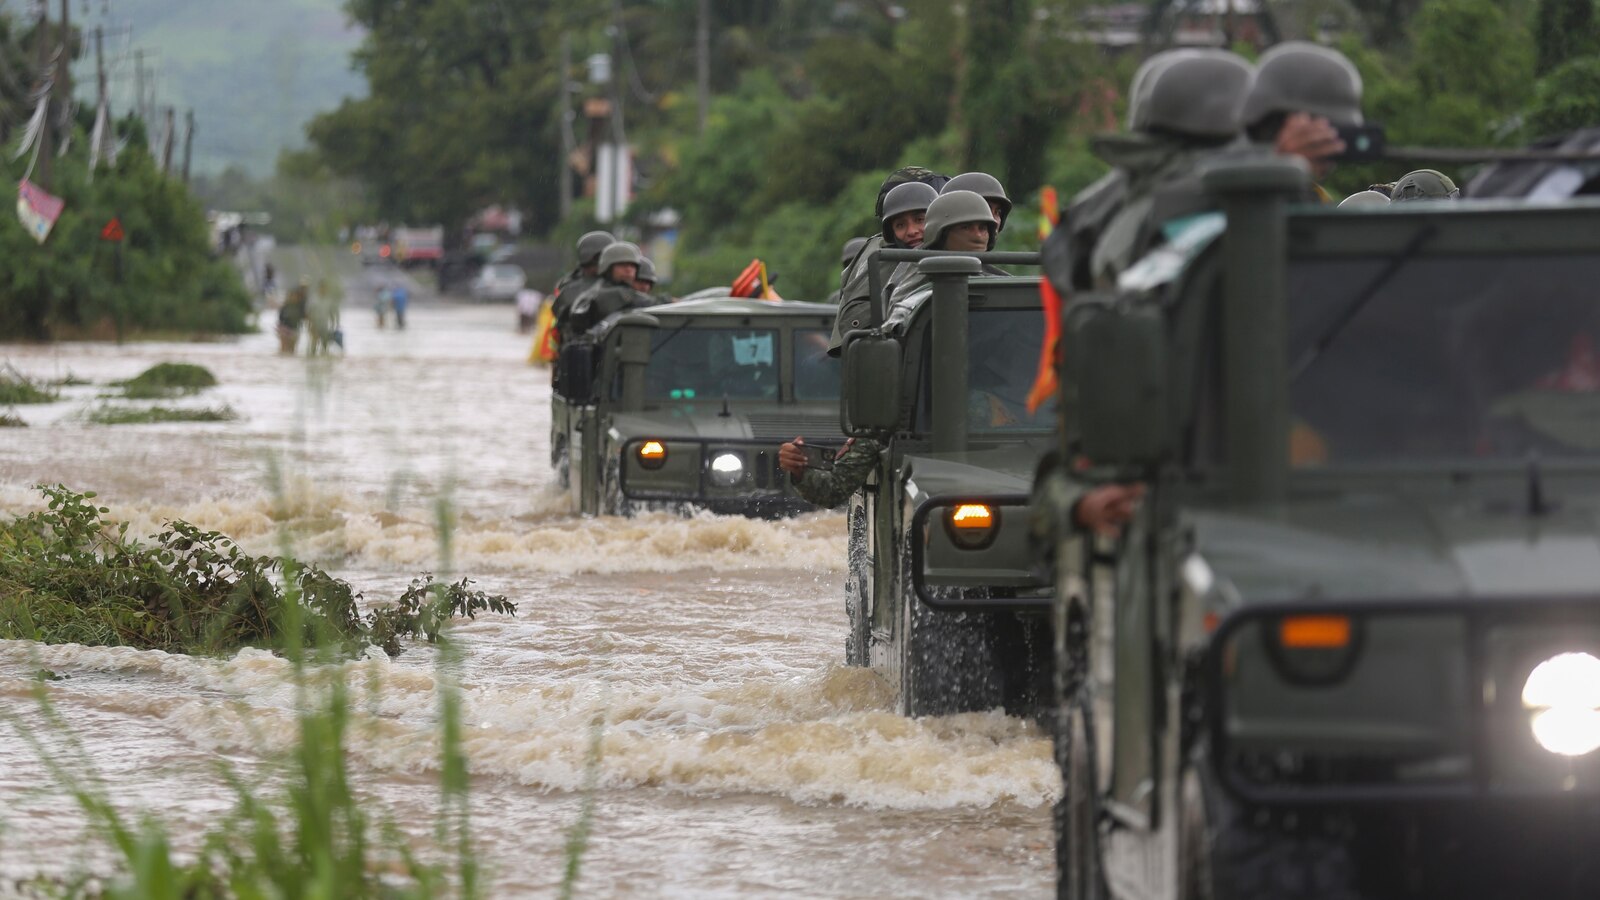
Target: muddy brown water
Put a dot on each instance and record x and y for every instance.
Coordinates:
(740, 756)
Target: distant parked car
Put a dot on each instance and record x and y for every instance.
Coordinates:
(498, 282)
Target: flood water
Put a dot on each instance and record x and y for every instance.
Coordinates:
(740, 756)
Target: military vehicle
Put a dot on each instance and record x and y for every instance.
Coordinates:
(684, 405)
(942, 593)
(1350, 645)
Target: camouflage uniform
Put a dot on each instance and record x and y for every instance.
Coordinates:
(829, 488)
(602, 300)
(569, 289)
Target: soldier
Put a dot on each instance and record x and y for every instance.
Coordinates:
(1302, 93)
(989, 188)
(618, 266)
(1186, 108)
(645, 281)
(957, 220)
(1424, 184)
(855, 283)
(851, 248)
(574, 283)
(905, 210)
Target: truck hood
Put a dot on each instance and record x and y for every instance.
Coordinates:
(704, 421)
(1395, 546)
(1007, 469)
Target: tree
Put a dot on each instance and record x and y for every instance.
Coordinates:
(1564, 29)
(1566, 99)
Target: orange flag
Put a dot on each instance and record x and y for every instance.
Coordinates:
(1049, 212)
(1045, 383)
(748, 281)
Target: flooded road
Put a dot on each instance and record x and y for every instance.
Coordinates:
(740, 756)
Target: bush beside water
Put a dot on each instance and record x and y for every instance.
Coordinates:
(168, 380)
(67, 576)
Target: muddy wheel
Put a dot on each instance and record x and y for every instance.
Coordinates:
(1077, 815)
(1224, 853)
(857, 585)
(950, 662)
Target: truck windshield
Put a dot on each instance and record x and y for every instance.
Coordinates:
(1450, 358)
(1003, 355)
(711, 363)
(816, 374)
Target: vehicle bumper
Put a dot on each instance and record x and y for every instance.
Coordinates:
(999, 577)
(686, 477)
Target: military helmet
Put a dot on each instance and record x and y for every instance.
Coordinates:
(908, 197)
(647, 270)
(1194, 93)
(851, 248)
(1364, 198)
(903, 175)
(986, 186)
(619, 252)
(1298, 76)
(1424, 184)
(954, 208)
(591, 244)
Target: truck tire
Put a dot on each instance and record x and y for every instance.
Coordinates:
(857, 584)
(1226, 854)
(1079, 872)
(949, 662)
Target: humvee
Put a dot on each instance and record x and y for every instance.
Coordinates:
(684, 405)
(1350, 645)
(942, 593)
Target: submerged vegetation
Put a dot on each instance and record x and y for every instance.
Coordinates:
(16, 387)
(168, 380)
(150, 415)
(66, 575)
(11, 420)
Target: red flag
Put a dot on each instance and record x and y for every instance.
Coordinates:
(1045, 383)
(112, 231)
(1049, 212)
(749, 281)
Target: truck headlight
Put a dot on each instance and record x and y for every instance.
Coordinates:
(652, 454)
(727, 469)
(972, 526)
(1562, 696)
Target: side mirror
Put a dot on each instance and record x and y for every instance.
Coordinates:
(871, 394)
(1115, 386)
(577, 371)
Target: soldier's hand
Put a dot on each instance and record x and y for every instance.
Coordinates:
(1311, 137)
(1104, 510)
(792, 459)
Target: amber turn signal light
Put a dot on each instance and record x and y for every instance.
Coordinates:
(652, 454)
(973, 526)
(1314, 632)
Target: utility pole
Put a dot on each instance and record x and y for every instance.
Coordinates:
(46, 140)
(188, 141)
(64, 65)
(100, 67)
(568, 141)
(166, 142)
(138, 88)
(702, 52)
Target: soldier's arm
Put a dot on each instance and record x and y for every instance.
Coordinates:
(831, 488)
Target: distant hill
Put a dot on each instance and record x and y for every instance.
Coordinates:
(254, 72)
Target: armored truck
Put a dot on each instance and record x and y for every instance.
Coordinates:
(1350, 645)
(942, 592)
(684, 405)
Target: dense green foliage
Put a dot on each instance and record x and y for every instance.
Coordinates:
(814, 102)
(162, 278)
(67, 576)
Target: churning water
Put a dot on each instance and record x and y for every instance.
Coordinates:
(739, 755)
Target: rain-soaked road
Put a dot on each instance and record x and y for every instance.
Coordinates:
(740, 756)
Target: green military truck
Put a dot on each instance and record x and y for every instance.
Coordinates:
(1350, 645)
(684, 405)
(942, 592)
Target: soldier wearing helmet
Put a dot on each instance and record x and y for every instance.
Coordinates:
(1302, 93)
(851, 248)
(618, 266)
(1364, 199)
(855, 282)
(1184, 106)
(1424, 184)
(989, 188)
(645, 281)
(957, 220)
(574, 283)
